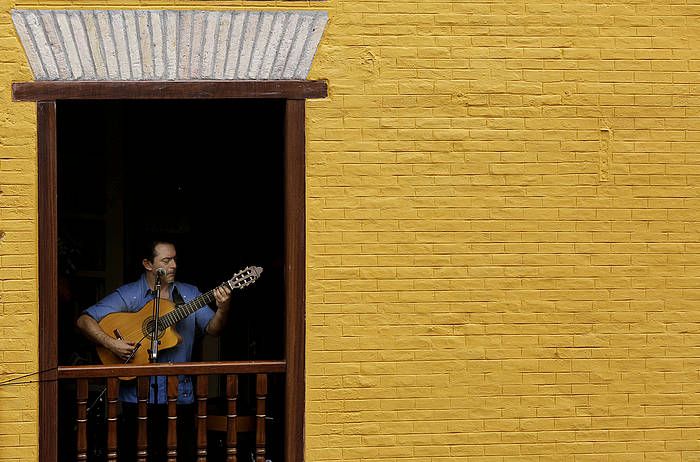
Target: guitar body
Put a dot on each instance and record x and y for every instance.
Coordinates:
(132, 327)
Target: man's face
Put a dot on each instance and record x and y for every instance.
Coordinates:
(166, 258)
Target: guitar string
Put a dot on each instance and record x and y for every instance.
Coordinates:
(187, 308)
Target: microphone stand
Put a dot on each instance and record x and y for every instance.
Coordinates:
(153, 352)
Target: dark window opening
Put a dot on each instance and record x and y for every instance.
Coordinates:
(208, 173)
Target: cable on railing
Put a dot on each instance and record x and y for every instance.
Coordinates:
(10, 381)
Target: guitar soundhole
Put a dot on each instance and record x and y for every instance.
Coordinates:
(149, 326)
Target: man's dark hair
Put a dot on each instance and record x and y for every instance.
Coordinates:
(148, 248)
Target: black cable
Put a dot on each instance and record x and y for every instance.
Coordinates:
(9, 381)
(13, 381)
(27, 382)
(104, 390)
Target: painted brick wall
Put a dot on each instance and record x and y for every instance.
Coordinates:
(18, 259)
(502, 232)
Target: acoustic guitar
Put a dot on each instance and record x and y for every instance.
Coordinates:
(138, 326)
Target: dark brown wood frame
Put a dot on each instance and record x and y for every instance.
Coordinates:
(294, 92)
(202, 89)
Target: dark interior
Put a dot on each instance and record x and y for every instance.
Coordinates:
(206, 173)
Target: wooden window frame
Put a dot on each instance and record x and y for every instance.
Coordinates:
(295, 93)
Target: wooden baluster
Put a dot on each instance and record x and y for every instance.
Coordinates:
(112, 394)
(202, 391)
(142, 442)
(172, 418)
(261, 395)
(82, 398)
(231, 418)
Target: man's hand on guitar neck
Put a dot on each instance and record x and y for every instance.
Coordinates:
(222, 295)
(121, 348)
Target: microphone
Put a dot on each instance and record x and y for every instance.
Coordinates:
(160, 272)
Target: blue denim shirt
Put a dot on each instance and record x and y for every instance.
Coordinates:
(132, 297)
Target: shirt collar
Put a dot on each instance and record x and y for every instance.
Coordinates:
(146, 290)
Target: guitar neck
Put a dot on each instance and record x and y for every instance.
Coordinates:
(186, 309)
(239, 280)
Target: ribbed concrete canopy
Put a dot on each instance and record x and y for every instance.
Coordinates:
(169, 45)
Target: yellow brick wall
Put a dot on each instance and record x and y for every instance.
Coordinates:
(18, 258)
(503, 246)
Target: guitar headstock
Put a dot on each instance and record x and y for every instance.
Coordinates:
(245, 277)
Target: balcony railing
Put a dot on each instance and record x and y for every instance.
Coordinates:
(231, 423)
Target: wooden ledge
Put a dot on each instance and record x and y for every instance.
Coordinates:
(199, 368)
(200, 89)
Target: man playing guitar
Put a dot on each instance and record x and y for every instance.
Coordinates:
(160, 262)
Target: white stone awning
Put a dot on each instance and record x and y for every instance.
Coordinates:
(127, 45)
